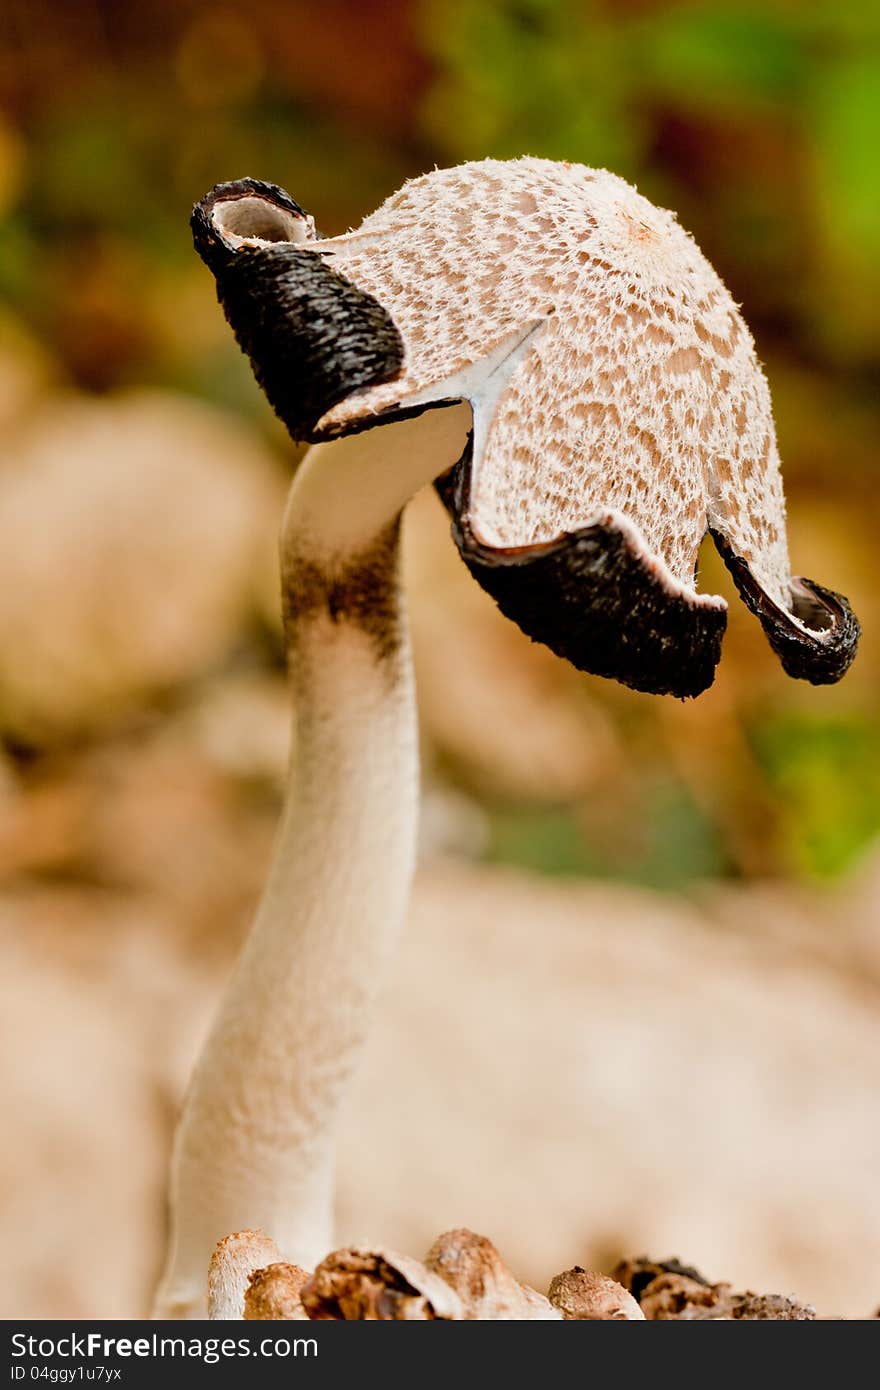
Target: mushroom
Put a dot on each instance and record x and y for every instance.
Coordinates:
(582, 1295)
(274, 1294)
(554, 353)
(369, 1285)
(462, 1279)
(472, 1267)
(233, 1261)
(667, 1290)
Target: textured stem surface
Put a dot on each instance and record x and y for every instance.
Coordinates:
(254, 1147)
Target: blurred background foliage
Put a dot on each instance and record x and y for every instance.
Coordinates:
(758, 122)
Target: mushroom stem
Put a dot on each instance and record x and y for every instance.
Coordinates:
(255, 1143)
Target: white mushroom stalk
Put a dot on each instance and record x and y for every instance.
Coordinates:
(255, 1142)
(557, 354)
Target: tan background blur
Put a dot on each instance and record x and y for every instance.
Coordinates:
(639, 1004)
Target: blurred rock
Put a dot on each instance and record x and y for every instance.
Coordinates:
(164, 821)
(587, 1070)
(835, 928)
(97, 1022)
(451, 823)
(243, 725)
(44, 824)
(25, 373)
(582, 1071)
(136, 533)
(183, 810)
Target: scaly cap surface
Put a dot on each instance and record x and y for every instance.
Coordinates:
(620, 411)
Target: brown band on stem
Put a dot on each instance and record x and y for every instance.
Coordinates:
(363, 591)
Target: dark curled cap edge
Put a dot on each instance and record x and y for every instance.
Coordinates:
(207, 238)
(311, 335)
(821, 659)
(591, 599)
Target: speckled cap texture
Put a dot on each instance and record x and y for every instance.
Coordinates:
(636, 417)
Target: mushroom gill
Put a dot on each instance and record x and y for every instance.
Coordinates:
(619, 409)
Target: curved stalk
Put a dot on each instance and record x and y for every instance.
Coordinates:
(255, 1143)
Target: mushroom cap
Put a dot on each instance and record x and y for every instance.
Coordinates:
(669, 1290)
(462, 1278)
(473, 1268)
(619, 408)
(275, 1293)
(583, 1295)
(233, 1261)
(372, 1284)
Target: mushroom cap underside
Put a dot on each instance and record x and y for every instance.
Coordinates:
(619, 409)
